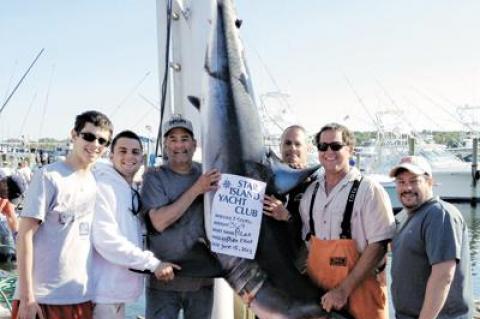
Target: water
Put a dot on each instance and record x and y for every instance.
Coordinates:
(472, 218)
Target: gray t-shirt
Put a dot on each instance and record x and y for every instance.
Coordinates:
(434, 233)
(161, 187)
(63, 200)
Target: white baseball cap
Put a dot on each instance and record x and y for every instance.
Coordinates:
(418, 165)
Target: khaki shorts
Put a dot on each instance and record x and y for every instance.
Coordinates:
(109, 311)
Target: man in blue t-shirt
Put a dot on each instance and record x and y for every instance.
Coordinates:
(430, 255)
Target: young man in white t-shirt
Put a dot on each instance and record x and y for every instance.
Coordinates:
(54, 250)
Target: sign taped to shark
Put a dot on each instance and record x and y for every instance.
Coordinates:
(237, 216)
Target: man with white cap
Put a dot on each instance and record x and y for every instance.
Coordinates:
(430, 255)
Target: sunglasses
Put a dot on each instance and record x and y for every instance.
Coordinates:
(136, 202)
(335, 146)
(90, 137)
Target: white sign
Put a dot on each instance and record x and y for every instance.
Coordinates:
(237, 211)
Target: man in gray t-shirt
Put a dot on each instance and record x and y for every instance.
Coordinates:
(172, 199)
(53, 243)
(430, 255)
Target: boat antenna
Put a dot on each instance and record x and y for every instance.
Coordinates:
(420, 110)
(360, 100)
(45, 104)
(425, 96)
(21, 80)
(396, 107)
(149, 102)
(272, 78)
(24, 121)
(129, 94)
(158, 145)
(11, 79)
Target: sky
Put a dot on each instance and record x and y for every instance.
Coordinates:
(411, 63)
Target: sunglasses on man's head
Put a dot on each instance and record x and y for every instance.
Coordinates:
(334, 146)
(90, 137)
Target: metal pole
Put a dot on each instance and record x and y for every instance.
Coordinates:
(473, 199)
(21, 80)
(411, 145)
(474, 161)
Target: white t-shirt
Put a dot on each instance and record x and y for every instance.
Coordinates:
(63, 200)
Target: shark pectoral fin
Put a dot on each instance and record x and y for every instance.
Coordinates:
(195, 101)
(286, 178)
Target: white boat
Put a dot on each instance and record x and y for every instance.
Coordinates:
(453, 178)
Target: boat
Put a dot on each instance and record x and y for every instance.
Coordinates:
(454, 179)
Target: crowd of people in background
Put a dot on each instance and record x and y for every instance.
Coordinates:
(89, 232)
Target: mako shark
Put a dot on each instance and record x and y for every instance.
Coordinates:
(232, 142)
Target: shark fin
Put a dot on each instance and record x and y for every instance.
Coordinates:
(284, 177)
(195, 101)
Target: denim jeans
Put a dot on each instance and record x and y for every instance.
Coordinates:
(165, 304)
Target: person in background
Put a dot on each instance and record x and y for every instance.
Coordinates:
(173, 202)
(348, 221)
(117, 232)
(54, 248)
(11, 194)
(24, 172)
(294, 148)
(431, 274)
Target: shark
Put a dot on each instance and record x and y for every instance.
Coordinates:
(232, 142)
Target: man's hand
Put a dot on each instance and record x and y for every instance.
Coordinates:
(207, 182)
(5, 206)
(335, 299)
(29, 309)
(164, 271)
(274, 208)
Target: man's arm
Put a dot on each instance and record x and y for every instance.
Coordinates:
(368, 261)
(438, 286)
(107, 237)
(28, 304)
(165, 216)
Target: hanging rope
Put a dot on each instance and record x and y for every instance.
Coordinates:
(158, 146)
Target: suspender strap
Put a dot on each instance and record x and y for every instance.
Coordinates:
(347, 215)
(311, 222)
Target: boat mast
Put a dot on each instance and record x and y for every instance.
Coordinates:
(21, 80)
(183, 68)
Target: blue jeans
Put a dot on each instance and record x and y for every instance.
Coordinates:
(165, 304)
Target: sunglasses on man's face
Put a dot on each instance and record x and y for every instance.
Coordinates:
(90, 137)
(334, 146)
